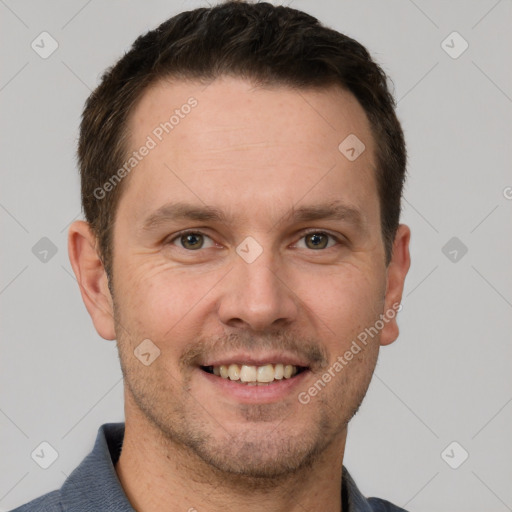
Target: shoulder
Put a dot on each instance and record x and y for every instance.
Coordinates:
(93, 484)
(379, 505)
(47, 503)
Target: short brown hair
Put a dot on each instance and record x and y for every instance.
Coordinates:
(260, 42)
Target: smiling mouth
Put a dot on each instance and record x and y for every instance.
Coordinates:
(255, 375)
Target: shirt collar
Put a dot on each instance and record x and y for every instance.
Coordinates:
(94, 484)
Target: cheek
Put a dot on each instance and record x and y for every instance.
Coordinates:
(347, 298)
(159, 302)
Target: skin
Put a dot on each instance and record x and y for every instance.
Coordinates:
(257, 154)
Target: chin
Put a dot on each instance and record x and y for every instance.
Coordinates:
(260, 451)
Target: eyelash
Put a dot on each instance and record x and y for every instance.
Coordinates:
(303, 235)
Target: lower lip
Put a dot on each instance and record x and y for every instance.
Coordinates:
(273, 392)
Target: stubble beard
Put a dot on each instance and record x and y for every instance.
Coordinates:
(252, 457)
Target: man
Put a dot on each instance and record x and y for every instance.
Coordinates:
(242, 169)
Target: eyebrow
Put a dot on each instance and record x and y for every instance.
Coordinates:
(334, 210)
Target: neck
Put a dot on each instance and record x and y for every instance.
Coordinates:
(158, 474)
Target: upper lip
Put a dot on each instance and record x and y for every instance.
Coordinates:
(249, 359)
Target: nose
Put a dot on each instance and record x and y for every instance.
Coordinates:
(257, 296)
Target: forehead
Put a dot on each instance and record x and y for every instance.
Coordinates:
(234, 144)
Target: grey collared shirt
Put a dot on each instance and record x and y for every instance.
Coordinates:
(94, 486)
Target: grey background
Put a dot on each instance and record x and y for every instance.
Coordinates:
(448, 376)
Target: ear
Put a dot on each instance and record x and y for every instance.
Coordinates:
(91, 277)
(396, 272)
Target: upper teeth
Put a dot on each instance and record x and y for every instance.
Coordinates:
(248, 373)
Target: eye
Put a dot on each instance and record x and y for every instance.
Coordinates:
(195, 240)
(318, 240)
(191, 240)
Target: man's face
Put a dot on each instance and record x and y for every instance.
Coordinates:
(266, 283)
